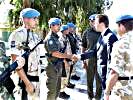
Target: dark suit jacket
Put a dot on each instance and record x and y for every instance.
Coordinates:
(103, 51)
(104, 47)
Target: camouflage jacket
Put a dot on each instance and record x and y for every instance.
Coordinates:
(122, 63)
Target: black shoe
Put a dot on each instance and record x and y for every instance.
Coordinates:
(75, 77)
(70, 85)
(63, 95)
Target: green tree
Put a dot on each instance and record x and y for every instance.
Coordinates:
(68, 10)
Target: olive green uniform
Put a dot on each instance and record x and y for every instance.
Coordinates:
(54, 68)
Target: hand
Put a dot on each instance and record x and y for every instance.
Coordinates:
(20, 61)
(30, 88)
(85, 65)
(106, 97)
(75, 58)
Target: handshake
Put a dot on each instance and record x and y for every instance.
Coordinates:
(75, 57)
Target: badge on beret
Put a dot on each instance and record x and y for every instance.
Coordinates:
(50, 42)
(12, 44)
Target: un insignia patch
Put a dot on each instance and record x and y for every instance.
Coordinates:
(50, 42)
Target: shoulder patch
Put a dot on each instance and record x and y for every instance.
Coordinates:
(51, 42)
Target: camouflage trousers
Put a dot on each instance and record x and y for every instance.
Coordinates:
(53, 83)
(116, 97)
(123, 90)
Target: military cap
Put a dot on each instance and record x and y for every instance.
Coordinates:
(54, 21)
(64, 27)
(92, 17)
(124, 17)
(29, 13)
(71, 25)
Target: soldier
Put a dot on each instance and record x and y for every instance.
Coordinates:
(119, 85)
(78, 64)
(21, 40)
(89, 40)
(4, 63)
(74, 48)
(65, 44)
(54, 68)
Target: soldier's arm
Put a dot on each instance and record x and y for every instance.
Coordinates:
(23, 76)
(13, 57)
(28, 84)
(111, 81)
(61, 55)
(20, 72)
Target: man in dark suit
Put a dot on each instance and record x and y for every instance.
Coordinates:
(103, 47)
(89, 40)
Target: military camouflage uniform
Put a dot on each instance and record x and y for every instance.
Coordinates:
(65, 42)
(4, 63)
(54, 68)
(16, 39)
(122, 63)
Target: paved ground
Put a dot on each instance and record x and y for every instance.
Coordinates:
(78, 93)
(80, 90)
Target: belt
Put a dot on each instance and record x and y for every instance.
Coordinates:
(125, 78)
(33, 78)
(42, 70)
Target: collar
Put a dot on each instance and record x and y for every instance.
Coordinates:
(104, 32)
(55, 34)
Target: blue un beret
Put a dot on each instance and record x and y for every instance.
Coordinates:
(124, 17)
(92, 17)
(71, 25)
(29, 13)
(54, 21)
(63, 28)
(75, 26)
